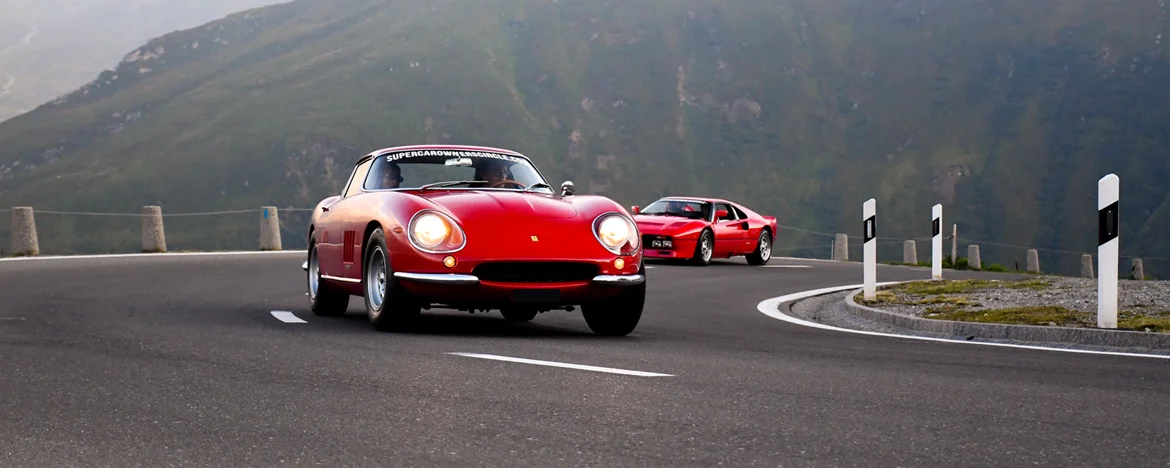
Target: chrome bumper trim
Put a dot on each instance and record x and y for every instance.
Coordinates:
(437, 278)
(620, 279)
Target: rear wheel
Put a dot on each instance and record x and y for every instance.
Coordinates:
(323, 300)
(704, 249)
(763, 251)
(619, 315)
(389, 307)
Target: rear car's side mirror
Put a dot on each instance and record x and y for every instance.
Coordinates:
(634, 209)
(720, 214)
(567, 188)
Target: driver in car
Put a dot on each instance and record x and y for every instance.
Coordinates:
(492, 171)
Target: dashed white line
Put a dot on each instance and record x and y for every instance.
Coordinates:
(287, 317)
(770, 308)
(610, 370)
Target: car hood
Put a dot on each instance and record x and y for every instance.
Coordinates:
(500, 204)
(661, 224)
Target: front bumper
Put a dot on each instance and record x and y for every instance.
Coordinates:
(465, 290)
(466, 280)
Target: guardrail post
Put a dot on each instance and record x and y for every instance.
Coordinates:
(1087, 266)
(1138, 271)
(909, 252)
(269, 228)
(1033, 261)
(841, 248)
(153, 237)
(973, 260)
(24, 232)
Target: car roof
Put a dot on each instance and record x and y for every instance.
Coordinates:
(395, 149)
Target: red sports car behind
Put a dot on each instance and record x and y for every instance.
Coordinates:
(699, 229)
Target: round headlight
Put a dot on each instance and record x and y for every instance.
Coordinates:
(614, 231)
(430, 230)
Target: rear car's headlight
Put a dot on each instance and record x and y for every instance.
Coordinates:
(616, 233)
(435, 232)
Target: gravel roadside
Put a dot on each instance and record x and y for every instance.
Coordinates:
(1045, 300)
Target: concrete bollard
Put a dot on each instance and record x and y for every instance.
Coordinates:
(909, 252)
(154, 239)
(1137, 271)
(973, 261)
(1087, 266)
(1033, 261)
(841, 248)
(269, 228)
(24, 232)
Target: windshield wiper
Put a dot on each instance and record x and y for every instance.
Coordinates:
(449, 183)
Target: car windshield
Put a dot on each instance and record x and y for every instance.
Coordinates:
(681, 208)
(453, 169)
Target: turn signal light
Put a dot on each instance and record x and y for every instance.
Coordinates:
(619, 264)
(449, 262)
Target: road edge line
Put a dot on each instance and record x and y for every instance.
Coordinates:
(771, 308)
(155, 255)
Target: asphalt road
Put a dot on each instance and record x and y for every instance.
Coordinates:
(179, 362)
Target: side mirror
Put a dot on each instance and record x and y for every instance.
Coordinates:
(567, 188)
(719, 214)
(635, 209)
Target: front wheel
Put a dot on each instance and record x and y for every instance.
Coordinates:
(389, 307)
(617, 316)
(763, 251)
(704, 249)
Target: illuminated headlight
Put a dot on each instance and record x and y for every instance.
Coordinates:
(617, 233)
(434, 232)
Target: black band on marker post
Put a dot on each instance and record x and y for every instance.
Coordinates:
(869, 229)
(1107, 224)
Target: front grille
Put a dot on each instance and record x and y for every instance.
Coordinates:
(536, 272)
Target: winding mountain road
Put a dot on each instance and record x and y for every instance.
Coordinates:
(180, 361)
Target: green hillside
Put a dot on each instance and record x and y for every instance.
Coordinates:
(1007, 112)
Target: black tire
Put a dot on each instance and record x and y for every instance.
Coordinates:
(323, 300)
(617, 316)
(388, 305)
(513, 314)
(763, 251)
(700, 257)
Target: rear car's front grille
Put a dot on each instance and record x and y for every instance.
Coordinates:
(536, 272)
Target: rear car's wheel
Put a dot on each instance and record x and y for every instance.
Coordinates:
(704, 249)
(388, 305)
(617, 316)
(763, 251)
(323, 300)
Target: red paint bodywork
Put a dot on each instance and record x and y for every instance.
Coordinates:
(500, 226)
(732, 238)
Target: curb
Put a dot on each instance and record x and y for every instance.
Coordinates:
(1000, 331)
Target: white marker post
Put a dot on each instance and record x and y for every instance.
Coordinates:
(936, 243)
(869, 247)
(1108, 195)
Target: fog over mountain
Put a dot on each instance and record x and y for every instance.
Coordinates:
(51, 47)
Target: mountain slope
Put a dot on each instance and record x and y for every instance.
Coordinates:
(1006, 112)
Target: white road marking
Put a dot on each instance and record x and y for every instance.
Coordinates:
(287, 317)
(156, 255)
(564, 365)
(787, 266)
(769, 307)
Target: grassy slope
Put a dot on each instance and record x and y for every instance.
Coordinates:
(1007, 112)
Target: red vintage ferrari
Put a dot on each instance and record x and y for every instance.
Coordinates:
(699, 229)
(471, 228)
